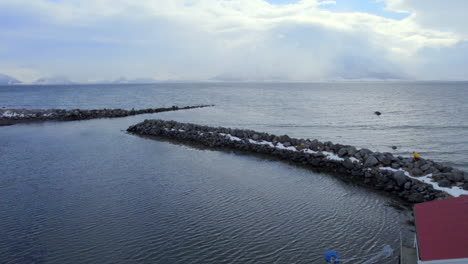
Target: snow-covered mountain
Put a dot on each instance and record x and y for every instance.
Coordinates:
(6, 80)
(54, 80)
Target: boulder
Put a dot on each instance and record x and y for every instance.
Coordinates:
(455, 176)
(348, 164)
(408, 185)
(351, 151)
(385, 159)
(425, 167)
(400, 178)
(416, 198)
(444, 183)
(342, 152)
(416, 172)
(365, 153)
(445, 169)
(371, 161)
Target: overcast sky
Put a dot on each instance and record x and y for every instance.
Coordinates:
(287, 40)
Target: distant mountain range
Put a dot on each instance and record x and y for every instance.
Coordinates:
(53, 80)
(7, 80)
(138, 80)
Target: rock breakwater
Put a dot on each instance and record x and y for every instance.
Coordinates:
(409, 179)
(13, 116)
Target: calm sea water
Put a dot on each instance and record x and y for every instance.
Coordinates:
(87, 192)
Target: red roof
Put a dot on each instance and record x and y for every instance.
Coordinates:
(442, 229)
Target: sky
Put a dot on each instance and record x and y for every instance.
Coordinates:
(234, 40)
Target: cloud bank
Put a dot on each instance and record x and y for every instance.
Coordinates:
(90, 40)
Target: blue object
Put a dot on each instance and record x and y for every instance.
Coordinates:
(330, 255)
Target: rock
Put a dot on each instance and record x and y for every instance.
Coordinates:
(465, 176)
(385, 158)
(284, 138)
(465, 186)
(408, 185)
(444, 183)
(394, 147)
(377, 113)
(400, 178)
(395, 165)
(445, 169)
(455, 176)
(351, 151)
(425, 167)
(342, 152)
(416, 198)
(416, 172)
(255, 137)
(286, 144)
(371, 161)
(419, 163)
(348, 164)
(365, 153)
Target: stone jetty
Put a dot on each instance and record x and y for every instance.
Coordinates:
(14, 116)
(411, 180)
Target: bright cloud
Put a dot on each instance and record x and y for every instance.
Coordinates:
(231, 40)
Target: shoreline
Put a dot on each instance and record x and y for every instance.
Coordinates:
(10, 117)
(405, 178)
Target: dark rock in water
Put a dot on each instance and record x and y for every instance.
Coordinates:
(377, 113)
(425, 167)
(351, 150)
(416, 198)
(342, 152)
(444, 183)
(371, 161)
(455, 176)
(408, 185)
(416, 172)
(400, 178)
(445, 169)
(394, 147)
(348, 164)
(385, 159)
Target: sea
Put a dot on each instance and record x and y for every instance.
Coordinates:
(88, 192)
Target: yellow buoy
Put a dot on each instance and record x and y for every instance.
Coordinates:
(416, 155)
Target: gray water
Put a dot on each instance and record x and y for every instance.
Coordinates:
(87, 192)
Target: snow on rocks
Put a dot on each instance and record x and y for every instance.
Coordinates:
(454, 191)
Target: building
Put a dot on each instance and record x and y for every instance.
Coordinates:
(442, 231)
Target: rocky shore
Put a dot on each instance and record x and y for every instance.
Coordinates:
(412, 180)
(14, 116)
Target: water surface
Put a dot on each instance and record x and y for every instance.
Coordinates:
(87, 192)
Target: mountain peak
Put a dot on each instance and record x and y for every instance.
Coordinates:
(8, 80)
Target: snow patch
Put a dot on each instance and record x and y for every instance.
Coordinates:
(332, 156)
(281, 146)
(453, 191)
